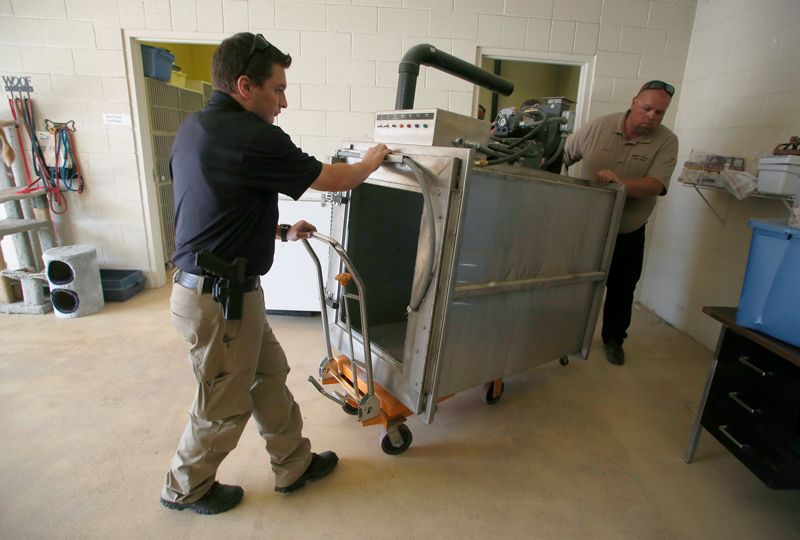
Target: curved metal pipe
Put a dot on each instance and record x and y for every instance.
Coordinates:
(428, 55)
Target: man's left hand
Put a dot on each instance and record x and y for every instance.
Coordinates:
(301, 229)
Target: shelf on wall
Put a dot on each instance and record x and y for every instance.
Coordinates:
(786, 199)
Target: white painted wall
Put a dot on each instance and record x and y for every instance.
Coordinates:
(740, 96)
(345, 67)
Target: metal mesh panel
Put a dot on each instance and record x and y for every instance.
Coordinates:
(162, 145)
(208, 89)
(162, 170)
(168, 107)
(166, 208)
(191, 101)
(160, 94)
(165, 120)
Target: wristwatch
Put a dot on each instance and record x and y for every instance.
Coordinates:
(284, 231)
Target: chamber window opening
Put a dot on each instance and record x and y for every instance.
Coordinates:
(383, 235)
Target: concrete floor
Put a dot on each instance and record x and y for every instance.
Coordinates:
(91, 410)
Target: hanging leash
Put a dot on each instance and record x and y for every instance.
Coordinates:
(65, 170)
(11, 106)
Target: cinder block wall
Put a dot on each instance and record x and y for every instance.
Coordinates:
(741, 96)
(345, 67)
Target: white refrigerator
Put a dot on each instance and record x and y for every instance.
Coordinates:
(291, 284)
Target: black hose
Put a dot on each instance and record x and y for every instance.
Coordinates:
(490, 151)
(511, 157)
(428, 55)
(528, 135)
(555, 155)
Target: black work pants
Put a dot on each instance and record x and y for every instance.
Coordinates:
(625, 271)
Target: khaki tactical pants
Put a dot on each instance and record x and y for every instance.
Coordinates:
(240, 369)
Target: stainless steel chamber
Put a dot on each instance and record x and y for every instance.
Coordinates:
(510, 274)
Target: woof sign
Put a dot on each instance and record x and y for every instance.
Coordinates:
(17, 84)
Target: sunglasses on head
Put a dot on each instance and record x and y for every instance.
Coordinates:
(658, 85)
(260, 44)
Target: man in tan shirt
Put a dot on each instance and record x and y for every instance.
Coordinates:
(631, 148)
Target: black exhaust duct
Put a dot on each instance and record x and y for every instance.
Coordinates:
(428, 55)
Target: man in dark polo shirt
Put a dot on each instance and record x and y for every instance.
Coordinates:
(229, 163)
(635, 150)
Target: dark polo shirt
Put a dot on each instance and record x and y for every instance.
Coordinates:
(228, 167)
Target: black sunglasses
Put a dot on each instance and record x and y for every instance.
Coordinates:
(658, 85)
(260, 44)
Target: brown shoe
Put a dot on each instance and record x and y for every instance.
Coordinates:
(321, 466)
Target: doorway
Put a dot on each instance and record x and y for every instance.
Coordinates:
(536, 75)
(159, 106)
(532, 81)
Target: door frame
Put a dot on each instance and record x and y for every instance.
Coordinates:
(156, 273)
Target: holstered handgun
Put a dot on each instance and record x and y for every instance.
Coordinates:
(228, 288)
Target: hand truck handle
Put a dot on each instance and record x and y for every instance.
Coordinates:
(362, 302)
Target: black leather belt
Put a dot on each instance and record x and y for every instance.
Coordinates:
(251, 283)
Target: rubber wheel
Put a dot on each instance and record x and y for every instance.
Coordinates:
(389, 448)
(349, 409)
(564, 360)
(487, 397)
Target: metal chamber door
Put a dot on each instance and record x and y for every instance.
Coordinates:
(398, 243)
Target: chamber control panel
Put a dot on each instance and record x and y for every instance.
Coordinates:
(428, 127)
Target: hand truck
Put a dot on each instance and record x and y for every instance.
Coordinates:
(369, 401)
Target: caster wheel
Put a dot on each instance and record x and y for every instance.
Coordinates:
(350, 409)
(564, 360)
(391, 449)
(488, 393)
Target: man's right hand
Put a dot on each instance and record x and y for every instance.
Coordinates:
(375, 156)
(345, 176)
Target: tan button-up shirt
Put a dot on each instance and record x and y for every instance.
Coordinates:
(601, 144)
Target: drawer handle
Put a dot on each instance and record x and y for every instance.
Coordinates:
(735, 397)
(745, 361)
(741, 446)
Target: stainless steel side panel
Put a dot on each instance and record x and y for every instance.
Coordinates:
(531, 257)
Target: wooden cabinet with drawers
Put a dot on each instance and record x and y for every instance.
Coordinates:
(751, 403)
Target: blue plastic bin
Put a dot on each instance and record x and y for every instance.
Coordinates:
(157, 62)
(770, 301)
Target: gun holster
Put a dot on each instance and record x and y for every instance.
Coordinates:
(228, 288)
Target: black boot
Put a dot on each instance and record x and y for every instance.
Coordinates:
(321, 465)
(220, 498)
(614, 353)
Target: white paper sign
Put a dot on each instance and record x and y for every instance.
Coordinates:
(115, 119)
